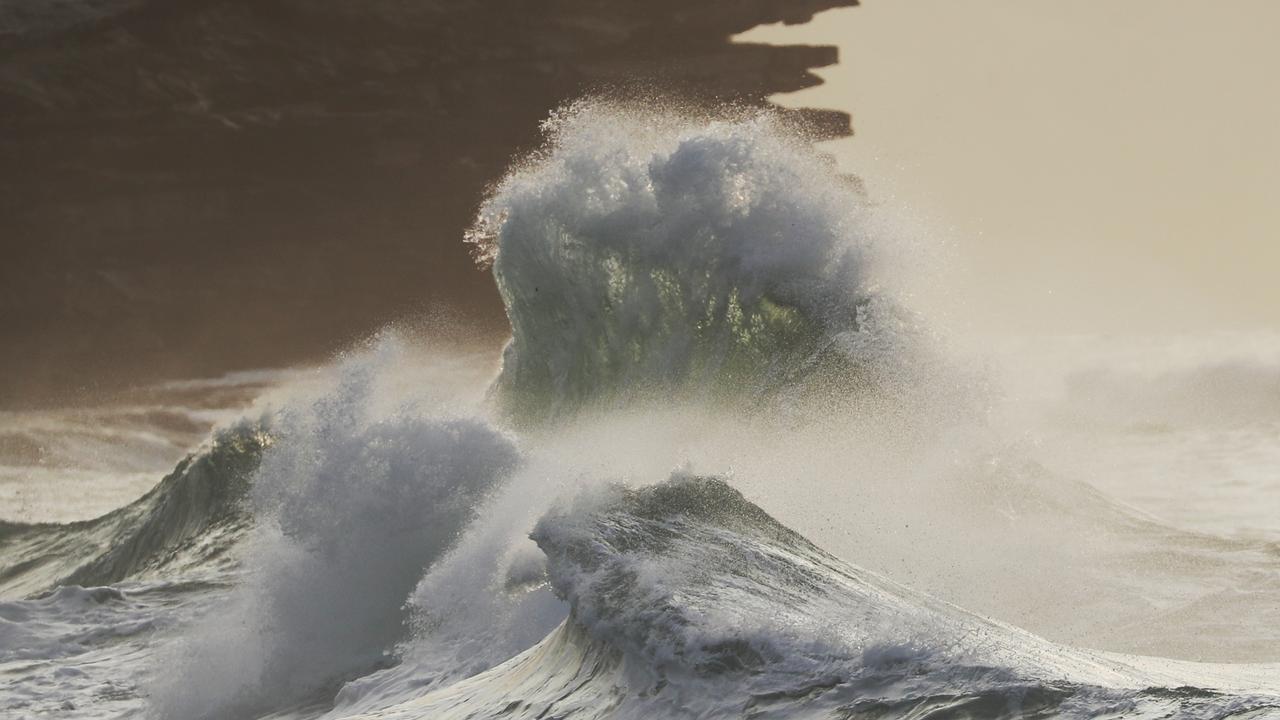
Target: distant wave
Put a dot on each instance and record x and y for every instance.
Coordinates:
(186, 523)
(1221, 393)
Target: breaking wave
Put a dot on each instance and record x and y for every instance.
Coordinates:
(645, 254)
(685, 600)
(682, 291)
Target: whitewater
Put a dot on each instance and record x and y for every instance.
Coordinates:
(721, 469)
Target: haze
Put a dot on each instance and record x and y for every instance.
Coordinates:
(1095, 167)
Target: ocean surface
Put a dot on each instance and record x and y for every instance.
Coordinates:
(721, 469)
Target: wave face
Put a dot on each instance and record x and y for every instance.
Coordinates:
(688, 601)
(642, 253)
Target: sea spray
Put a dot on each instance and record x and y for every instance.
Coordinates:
(350, 508)
(487, 599)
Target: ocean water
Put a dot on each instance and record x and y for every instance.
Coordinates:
(721, 469)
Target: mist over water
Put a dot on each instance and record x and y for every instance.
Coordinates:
(723, 469)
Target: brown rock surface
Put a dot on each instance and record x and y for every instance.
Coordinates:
(190, 187)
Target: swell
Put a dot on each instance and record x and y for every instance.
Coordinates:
(186, 523)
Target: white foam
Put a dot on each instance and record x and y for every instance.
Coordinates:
(350, 508)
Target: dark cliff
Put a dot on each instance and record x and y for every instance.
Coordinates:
(189, 187)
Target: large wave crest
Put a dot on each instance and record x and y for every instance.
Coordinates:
(719, 257)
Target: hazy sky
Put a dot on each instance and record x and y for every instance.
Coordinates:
(1097, 165)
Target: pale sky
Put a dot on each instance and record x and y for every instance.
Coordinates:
(1095, 165)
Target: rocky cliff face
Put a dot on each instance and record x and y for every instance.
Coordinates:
(189, 187)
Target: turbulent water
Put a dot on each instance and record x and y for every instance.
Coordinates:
(720, 470)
